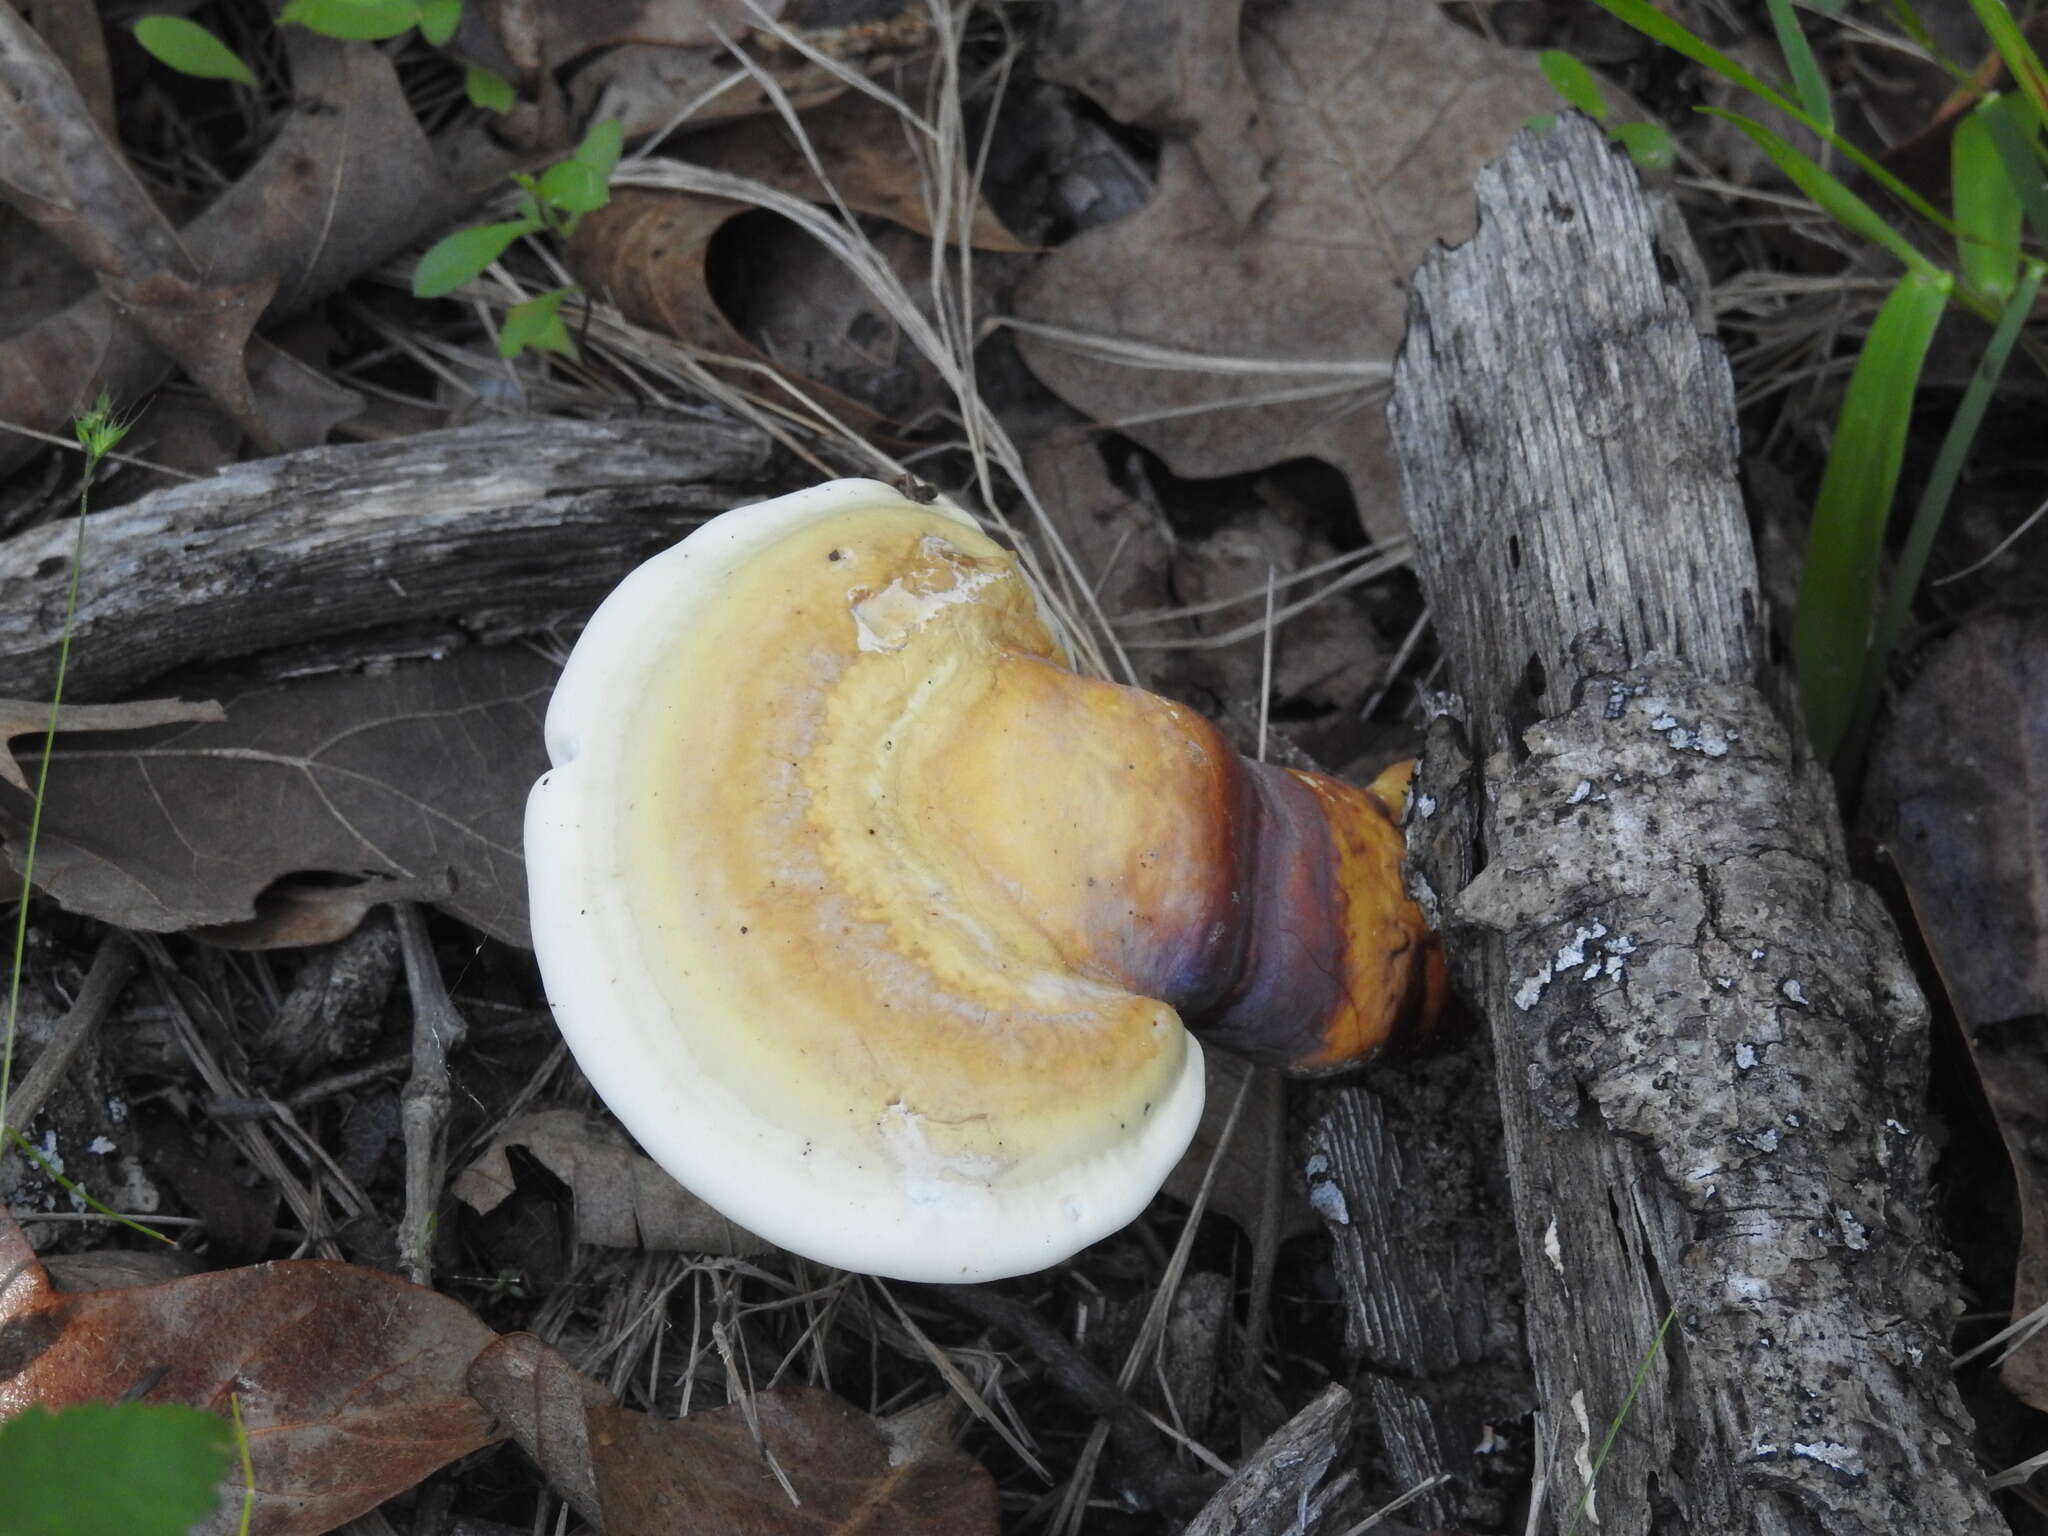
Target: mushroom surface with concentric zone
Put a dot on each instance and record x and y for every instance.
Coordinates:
(878, 925)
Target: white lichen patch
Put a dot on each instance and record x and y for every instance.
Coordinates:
(1830, 1453)
(1745, 1056)
(1328, 1200)
(1582, 1458)
(100, 1146)
(1703, 738)
(1854, 1234)
(1793, 993)
(1425, 806)
(1765, 1140)
(1553, 1250)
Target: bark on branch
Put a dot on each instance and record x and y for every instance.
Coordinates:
(1711, 1050)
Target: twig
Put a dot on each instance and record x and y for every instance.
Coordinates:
(423, 1108)
(112, 965)
(1164, 1485)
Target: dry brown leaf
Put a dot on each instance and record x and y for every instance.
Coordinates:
(63, 169)
(1381, 112)
(351, 1381)
(23, 717)
(1958, 791)
(717, 1470)
(1175, 69)
(349, 180)
(413, 782)
(623, 1198)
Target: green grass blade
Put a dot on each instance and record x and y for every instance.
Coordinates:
(1658, 27)
(1808, 83)
(1838, 589)
(2015, 50)
(1987, 203)
(1830, 195)
(2016, 136)
(1934, 500)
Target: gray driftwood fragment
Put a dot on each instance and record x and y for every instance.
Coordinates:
(1711, 1051)
(507, 526)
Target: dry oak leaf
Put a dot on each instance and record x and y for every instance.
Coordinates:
(1958, 793)
(1381, 113)
(1172, 66)
(351, 1381)
(623, 1198)
(795, 1461)
(412, 782)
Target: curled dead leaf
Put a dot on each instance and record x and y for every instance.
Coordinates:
(22, 717)
(795, 1461)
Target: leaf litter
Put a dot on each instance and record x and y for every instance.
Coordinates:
(1235, 321)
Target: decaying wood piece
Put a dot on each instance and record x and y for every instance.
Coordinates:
(498, 528)
(1406, 1170)
(1711, 1051)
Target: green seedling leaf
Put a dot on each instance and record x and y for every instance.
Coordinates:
(537, 324)
(354, 21)
(1808, 82)
(1658, 27)
(190, 49)
(1934, 500)
(2015, 134)
(1987, 203)
(488, 91)
(111, 1469)
(1838, 590)
(1648, 144)
(453, 261)
(439, 19)
(1574, 82)
(601, 147)
(1830, 195)
(573, 187)
(2015, 50)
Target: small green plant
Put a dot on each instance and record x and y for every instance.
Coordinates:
(99, 434)
(1845, 627)
(1648, 144)
(155, 1467)
(553, 202)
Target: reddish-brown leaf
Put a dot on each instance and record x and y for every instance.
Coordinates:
(351, 1381)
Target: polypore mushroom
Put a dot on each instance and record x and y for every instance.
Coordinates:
(877, 925)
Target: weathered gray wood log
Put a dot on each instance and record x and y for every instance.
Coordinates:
(1711, 1050)
(496, 529)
